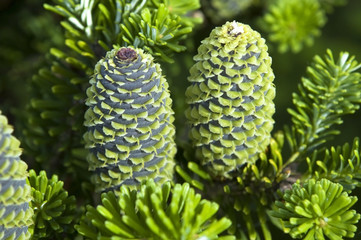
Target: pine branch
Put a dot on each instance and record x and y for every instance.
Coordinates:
(155, 212)
(53, 134)
(316, 210)
(293, 23)
(54, 210)
(331, 90)
(187, 10)
(138, 23)
(247, 198)
(156, 31)
(340, 165)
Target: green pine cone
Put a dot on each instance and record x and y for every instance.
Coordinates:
(231, 98)
(15, 194)
(130, 121)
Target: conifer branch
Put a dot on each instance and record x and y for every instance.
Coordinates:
(293, 23)
(341, 164)
(54, 210)
(247, 198)
(316, 210)
(235, 162)
(331, 90)
(155, 212)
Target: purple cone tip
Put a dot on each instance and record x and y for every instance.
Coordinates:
(127, 54)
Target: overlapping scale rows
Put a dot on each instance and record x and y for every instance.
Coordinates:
(130, 121)
(15, 194)
(230, 98)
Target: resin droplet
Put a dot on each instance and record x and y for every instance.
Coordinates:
(236, 29)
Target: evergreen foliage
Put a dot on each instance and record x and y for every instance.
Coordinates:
(330, 90)
(130, 121)
(293, 23)
(100, 95)
(15, 213)
(339, 164)
(245, 198)
(317, 209)
(54, 210)
(154, 212)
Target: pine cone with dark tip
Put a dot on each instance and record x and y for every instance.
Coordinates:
(130, 133)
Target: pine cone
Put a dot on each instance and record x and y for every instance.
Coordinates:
(130, 121)
(231, 98)
(15, 194)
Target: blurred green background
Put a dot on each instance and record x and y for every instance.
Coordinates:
(342, 32)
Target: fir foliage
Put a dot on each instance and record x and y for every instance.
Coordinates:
(314, 180)
(293, 23)
(139, 23)
(186, 9)
(317, 209)
(54, 211)
(330, 91)
(245, 199)
(155, 212)
(341, 164)
(15, 195)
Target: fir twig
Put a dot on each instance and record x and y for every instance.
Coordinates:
(54, 210)
(155, 212)
(340, 164)
(331, 90)
(316, 210)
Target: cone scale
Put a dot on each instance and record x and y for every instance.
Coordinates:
(130, 133)
(15, 193)
(230, 99)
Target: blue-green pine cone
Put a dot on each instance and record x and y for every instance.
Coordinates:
(15, 194)
(130, 121)
(231, 98)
